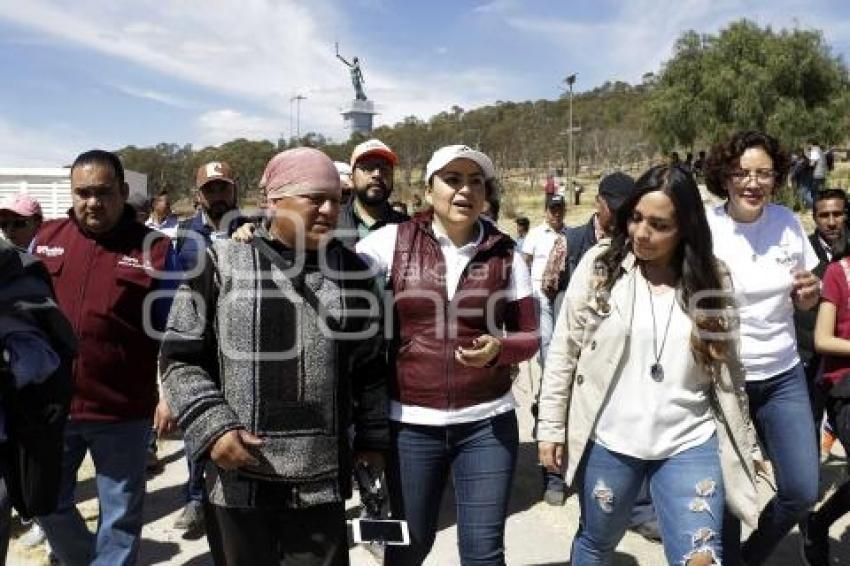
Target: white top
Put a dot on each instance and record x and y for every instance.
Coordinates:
(168, 226)
(538, 244)
(761, 256)
(648, 419)
(377, 250)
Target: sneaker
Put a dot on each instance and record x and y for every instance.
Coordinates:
(814, 543)
(191, 519)
(555, 497)
(33, 537)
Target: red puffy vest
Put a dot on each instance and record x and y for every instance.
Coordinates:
(429, 327)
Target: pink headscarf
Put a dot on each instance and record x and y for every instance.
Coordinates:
(302, 171)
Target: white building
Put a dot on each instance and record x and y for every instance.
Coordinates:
(51, 186)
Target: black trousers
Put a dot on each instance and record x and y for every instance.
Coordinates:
(313, 536)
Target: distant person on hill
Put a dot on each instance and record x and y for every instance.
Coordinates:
(674, 158)
(550, 187)
(800, 176)
(161, 217)
(20, 219)
(522, 226)
(699, 164)
(817, 159)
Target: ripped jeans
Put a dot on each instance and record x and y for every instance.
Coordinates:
(687, 490)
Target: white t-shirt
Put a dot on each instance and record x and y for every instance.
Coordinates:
(538, 244)
(648, 419)
(377, 250)
(761, 256)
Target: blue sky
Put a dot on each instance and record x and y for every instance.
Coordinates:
(98, 73)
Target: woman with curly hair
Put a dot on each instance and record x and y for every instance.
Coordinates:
(770, 260)
(643, 382)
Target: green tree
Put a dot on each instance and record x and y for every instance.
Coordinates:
(787, 83)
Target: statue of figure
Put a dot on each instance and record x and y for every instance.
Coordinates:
(356, 75)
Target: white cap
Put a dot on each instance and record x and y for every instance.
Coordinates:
(373, 147)
(449, 153)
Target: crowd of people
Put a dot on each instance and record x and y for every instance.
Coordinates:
(685, 349)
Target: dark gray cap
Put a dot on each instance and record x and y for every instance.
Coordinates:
(616, 188)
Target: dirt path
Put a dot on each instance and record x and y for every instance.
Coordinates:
(536, 534)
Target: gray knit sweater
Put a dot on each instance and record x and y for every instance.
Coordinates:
(245, 348)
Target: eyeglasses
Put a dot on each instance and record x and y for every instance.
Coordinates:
(762, 176)
(16, 224)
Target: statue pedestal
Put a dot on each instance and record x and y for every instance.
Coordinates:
(358, 116)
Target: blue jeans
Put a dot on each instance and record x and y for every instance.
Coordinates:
(481, 457)
(119, 453)
(782, 414)
(547, 314)
(687, 490)
(196, 484)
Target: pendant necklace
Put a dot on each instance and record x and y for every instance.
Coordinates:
(656, 372)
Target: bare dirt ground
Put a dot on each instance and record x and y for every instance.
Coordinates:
(537, 534)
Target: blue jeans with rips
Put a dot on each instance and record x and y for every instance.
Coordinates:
(119, 454)
(782, 414)
(481, 456)
(687, 490)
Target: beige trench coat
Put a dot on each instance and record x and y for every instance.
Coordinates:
(587, 346)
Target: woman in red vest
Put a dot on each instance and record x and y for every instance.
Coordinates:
(462, 315)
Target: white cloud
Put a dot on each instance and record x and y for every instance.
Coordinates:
(257, 53)
(218, 126)
(24, 147)
(156, 96)
(641, 34)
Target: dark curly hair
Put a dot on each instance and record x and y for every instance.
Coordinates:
(725, 156)
(694, 262)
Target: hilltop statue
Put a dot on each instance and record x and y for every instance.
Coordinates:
(356, 75)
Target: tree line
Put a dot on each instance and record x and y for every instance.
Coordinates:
(787, 83)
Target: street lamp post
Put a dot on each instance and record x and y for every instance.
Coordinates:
(570, 80)
(297, 98)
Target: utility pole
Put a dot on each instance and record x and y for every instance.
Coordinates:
(570, 80)
(297, 98)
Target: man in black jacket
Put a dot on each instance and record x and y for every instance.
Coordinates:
(372, 166)
(829, 212)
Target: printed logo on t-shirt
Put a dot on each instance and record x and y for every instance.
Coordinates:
(49, 251)
(130, 261)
